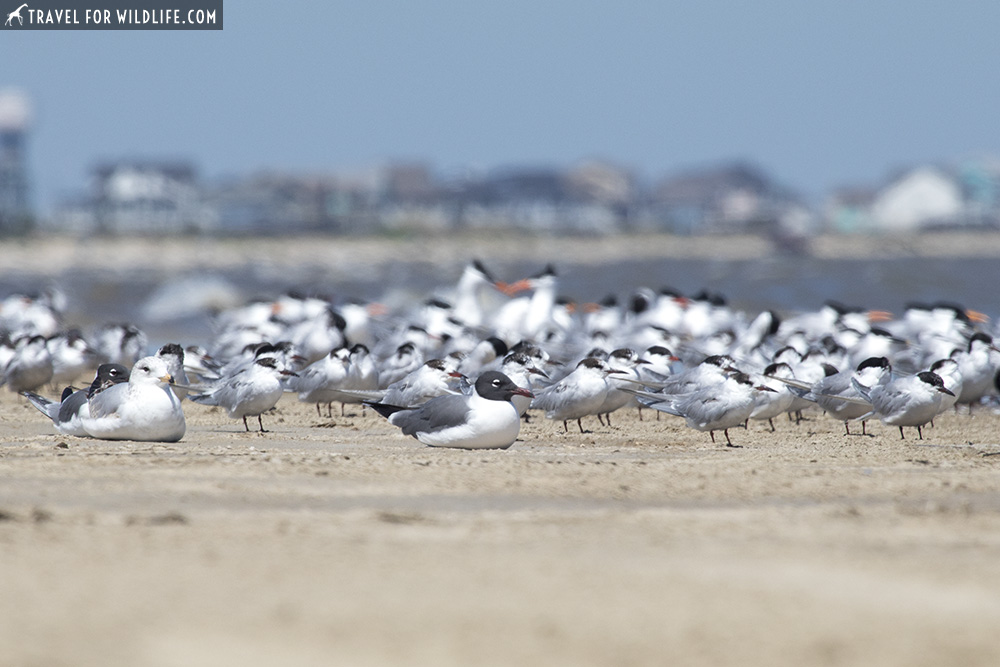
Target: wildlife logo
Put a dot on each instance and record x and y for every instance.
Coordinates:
(16, 14)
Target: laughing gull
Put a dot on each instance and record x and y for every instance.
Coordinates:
(67, 414)
(485, 419)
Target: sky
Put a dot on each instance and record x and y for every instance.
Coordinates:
(821, 95)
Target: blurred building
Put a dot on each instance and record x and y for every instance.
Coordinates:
(735, 197)
(15, 207)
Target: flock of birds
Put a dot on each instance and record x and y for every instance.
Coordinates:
(465, 367)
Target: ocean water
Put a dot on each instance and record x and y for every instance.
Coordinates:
(178, 306)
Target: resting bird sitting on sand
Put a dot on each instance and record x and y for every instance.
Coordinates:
(145, 408)
(486, 419)
(67, 414)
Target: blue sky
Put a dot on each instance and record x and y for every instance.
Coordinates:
(820, 94)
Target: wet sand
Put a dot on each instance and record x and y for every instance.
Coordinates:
(339, 541)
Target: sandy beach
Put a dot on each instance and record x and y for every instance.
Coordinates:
(340, 541)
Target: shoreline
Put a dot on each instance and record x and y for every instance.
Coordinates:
(51, 256)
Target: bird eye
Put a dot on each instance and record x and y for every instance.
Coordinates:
(496, 383)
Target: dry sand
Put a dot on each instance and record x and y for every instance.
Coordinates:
(339, 541)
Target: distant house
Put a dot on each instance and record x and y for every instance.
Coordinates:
(589, 200)
(136, 197)
(732, 198)
(848, 210)
(921, 198)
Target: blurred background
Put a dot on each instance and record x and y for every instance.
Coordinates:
(785, 121)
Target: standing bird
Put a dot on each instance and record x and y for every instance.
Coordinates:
(911, 400)
(144, 409)
(486, 419)
(578, 395)
(250, 392)
(717, 407)
(29, 366)
(836, 392)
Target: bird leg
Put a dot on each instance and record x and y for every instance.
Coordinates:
(712, 433)
(318, 413)
(260, 421)
(901, 436)
(920, 433)
(600, 419)
(847, 426)
(565, 426)
(245, 423)
(580, 424)
(771, 422)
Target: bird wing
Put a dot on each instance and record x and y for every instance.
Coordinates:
(107, 402)
(435, 415)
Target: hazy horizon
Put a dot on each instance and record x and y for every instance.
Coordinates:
(819, 97)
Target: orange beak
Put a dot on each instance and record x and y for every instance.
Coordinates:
(879, 316)
(976, 316)
(510, 289)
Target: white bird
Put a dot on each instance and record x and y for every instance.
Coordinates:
(434, 378)
(911, 400)
(30, 365)
(770, 404)
(977, 365)
(486, 419)
(249, 392)
(717, 407)
(173, 355)
(951, 374)
(119, 344)
(71, 356)
(627, 361)
(836, 392)
(145, 408)
(520, 368)
(68, 413)
(578, 395)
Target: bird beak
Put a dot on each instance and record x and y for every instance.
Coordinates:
(167, 379)
(761, 387)
(523, 392)
(945, 390)
(510, 289)
(976, 316)
(879, 316)
(292, 373)
(377, 309)
(538, 371)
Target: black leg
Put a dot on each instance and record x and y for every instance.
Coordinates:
(260, 420)
(245, 423)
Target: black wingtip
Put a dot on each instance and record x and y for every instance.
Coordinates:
(384, 409)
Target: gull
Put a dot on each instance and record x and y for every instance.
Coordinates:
(145, 408)
(485, 419)
(67, 414)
